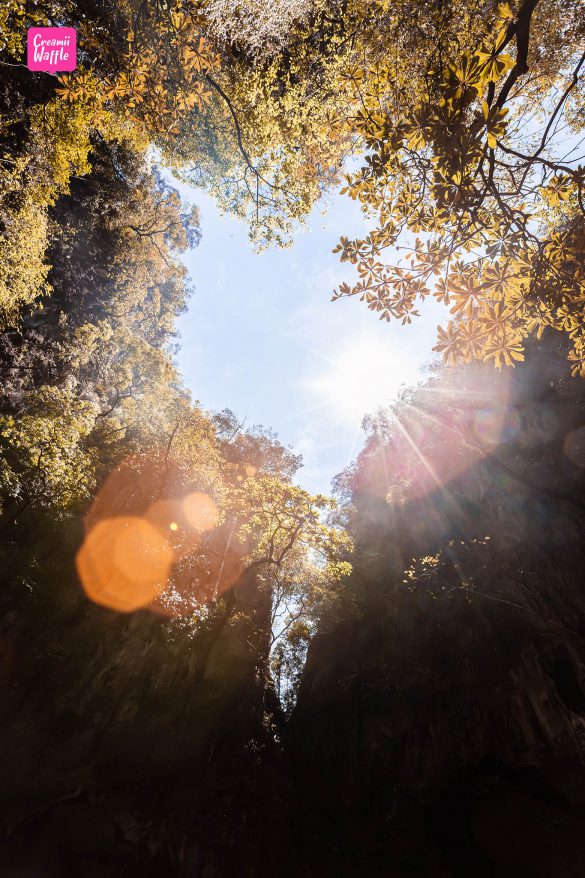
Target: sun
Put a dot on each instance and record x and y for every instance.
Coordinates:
(364, 375)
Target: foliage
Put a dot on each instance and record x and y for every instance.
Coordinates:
(266, 134)
(94, 419)
(277, 515)
(469, 181)
(262, 27)
(30, 182)
(23, 271)
(288, 660)
(252, 128)
(157, 79)
(44, 461)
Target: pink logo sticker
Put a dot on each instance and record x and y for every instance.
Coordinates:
(51, 49)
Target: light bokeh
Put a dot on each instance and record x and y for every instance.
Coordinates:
(124, 563)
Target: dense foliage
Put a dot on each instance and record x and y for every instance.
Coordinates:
(473, 173)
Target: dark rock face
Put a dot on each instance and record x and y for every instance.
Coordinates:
(123, 741)
(458, 732)
(440, 730)
(440, 726)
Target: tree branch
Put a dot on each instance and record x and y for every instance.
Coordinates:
(521, 30)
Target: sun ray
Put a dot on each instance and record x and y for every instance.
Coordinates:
(417, 450)
(450, 499)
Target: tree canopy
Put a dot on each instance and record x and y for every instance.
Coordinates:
(473, 173)
(456, 127)
(101, 443)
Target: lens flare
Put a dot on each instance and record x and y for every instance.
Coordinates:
(200, 511)
(195, 513)
(124, 563)
(432, 438)
(495, 425)
(165, 516)
(540, 426)
(149, 547)
(574, 446)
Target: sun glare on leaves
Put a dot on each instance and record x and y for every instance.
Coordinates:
(363, 376)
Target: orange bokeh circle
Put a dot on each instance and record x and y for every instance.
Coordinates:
(124, 563)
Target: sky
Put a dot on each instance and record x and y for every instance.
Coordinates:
(262, 337)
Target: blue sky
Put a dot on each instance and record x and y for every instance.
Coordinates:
(262, 337)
